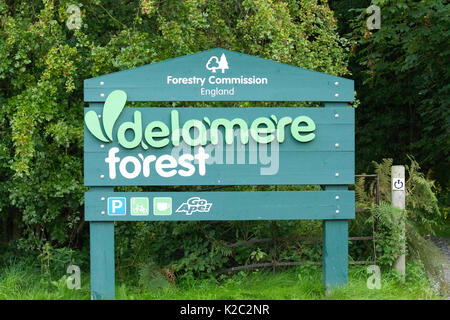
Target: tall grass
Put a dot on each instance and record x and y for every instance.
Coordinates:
(24, 283)
(303, 283)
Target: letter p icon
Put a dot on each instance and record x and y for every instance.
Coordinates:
(117, 206)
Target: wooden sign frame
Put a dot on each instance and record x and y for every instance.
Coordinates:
(326, 157)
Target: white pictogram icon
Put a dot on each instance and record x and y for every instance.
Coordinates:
(398, 184)
(214, 63)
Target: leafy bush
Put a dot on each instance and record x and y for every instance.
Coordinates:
(421, 214)
(42, 68)
(402, 77)
(389, 244)
(152, 278)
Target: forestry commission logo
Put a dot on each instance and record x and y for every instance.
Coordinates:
(215, 63)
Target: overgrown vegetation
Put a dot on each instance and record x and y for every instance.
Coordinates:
(193, 250)
(302, 283)
(421, 215)
(42, 67)
(401, 76)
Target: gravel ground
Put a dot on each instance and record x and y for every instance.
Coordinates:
(444, 246)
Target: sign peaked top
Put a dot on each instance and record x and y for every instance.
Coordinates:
(220, 75)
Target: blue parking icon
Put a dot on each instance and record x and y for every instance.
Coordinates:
(117, 206)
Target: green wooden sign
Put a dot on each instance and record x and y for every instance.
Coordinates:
(152, 146)
(217, 206)
(220, 75)
(217, 146)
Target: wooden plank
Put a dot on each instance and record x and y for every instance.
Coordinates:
(326, 159)
(283, 264)
(102, 259)
(101, 253)
(306, 168)
(329, 128)
(184, 206)
(291, 239)
(279, 82)
(335, 253)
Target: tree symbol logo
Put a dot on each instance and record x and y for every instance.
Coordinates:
(214, 63)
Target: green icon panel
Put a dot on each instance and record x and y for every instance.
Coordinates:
(139, 206)
(162, 206)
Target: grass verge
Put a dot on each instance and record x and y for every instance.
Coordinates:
(303, 283)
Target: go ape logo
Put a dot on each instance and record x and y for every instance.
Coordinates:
(194, 204)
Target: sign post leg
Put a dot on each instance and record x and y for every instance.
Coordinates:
(335, 253)
(102, 260)
(335, 233)
(335, 249)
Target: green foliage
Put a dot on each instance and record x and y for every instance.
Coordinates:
(305, 283)
(54, 263)
(388, 233)
(426, 253)
(421, 214)
(257, 255)
(42, 68)
(421, 200)
(22, 281)
(151, 278)
(402, 75)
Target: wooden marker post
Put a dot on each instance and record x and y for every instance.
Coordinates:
(398, 201)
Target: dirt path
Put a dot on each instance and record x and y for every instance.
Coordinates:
(444, 246)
